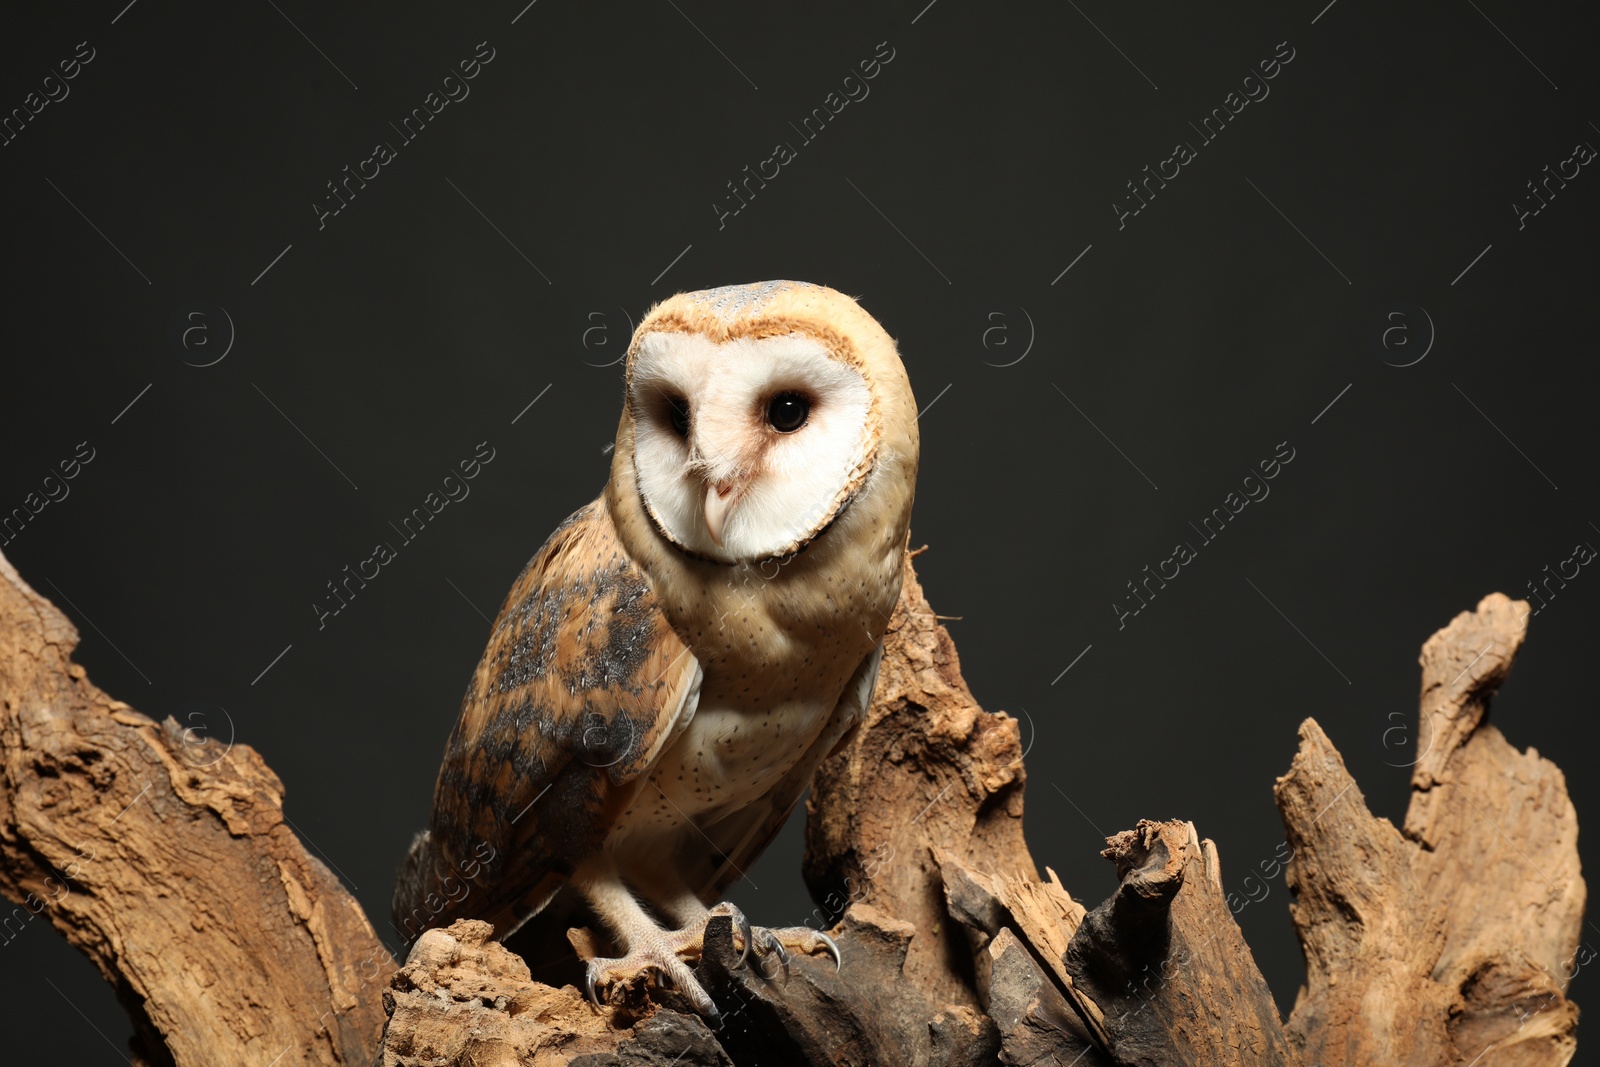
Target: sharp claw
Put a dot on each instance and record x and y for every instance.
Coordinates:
(588, 983)
(744, 931)
(770, 942)
(838, 961)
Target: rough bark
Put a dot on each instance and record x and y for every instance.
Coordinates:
(927, 769)
(1453, 942)
(464, 999)
(164, 856)
(1165, 964)
(1019, 931)
(814, 1014)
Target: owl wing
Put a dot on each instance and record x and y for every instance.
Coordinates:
(581, 687)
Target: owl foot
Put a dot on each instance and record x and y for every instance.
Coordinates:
(665, 956)
(654, 958)
(662, 958)
(688, 943)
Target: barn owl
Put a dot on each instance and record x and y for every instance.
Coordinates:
(672, 665)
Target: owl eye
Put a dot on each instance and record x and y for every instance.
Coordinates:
(787, 412)
(678, 414)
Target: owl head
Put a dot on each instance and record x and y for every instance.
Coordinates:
(757, 416)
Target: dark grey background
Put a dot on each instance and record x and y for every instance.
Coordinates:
(459, 286)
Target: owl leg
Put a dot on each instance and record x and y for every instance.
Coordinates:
(671, 897)
(647, 946)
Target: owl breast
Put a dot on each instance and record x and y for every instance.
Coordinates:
(757, 723)
(779, 651)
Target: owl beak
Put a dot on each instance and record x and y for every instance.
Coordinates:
(719, 501)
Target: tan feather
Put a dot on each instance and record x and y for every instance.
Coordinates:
(580, 687)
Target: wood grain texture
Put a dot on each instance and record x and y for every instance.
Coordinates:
(927, 768)
(1454, 941)
(164, 857)
(1165, 964)
(463, 998)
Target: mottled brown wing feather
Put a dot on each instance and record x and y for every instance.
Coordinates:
(581, 686)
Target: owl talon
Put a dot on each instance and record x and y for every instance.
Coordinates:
(838, 960)
(745, 934)
(770, 942)
(770, 939)
(782, 941)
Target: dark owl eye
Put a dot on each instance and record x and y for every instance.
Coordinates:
(787, 412)
(678, 413)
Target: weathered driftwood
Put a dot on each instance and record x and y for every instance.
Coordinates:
(165, 858)
(464, 999)
(1454, 941)
(1165, 963)
(928, 769)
